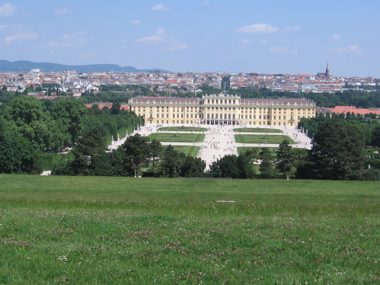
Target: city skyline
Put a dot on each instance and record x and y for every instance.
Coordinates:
(291, 37)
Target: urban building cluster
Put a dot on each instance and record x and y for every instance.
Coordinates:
(79, 82)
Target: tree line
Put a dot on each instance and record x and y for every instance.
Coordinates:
(31, 127)
(136, 157)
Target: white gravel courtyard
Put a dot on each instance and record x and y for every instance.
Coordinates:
(219, 139)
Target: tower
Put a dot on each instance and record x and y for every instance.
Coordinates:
(327, 70)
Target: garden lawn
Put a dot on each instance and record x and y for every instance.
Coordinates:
(262, 139)
(174, 137)
(108, 230)
(183, 129)
(257, 130)
(188, 150)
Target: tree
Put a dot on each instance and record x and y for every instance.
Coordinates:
(137, 150)
(285, 159)
(30, 120)
(337, 152)
(16, 153)
(267, 168)
(244, 163)
(376, 136)
(70, 115)
(227, 166)
(171, 162)
(192, 167)
(86, 151)
(155, 150)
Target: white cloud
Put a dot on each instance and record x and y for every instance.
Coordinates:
(258, 28)
(245, 41)
(135, 22)
(178, 46)
(63, 11)
(205, 3)
(7, 10)
(160, 7)
(69, 40)
(20, 37)
(279, 49)
(292, 28)
(351, 49)
(161, 37)
(336, 37)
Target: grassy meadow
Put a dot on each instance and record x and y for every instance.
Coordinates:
(257, 130)
(188, 150)
(114, 230)
(183, 129)
(262, 139)
(180, 137)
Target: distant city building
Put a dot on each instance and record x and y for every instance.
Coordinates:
(325, 74)
(222, 109)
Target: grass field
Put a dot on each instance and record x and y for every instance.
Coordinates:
(183, 129)
(104, 230)
(262, 139)
(257, 130)
(172, 137)
(188, 150)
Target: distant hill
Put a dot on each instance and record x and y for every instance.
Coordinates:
(23, 65)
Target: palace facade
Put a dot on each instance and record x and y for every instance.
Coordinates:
(220, 109)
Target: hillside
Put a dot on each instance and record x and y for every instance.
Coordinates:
(23, 65)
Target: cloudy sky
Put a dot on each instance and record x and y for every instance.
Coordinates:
(277, 36)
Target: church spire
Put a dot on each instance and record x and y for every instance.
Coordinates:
(328, 70)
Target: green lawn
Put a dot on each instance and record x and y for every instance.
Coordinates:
(262, 139)
(113, 230)
(183, 129)
(257, 130)
(172, 137)
(188, 150)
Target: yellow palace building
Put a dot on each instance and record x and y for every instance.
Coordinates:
(222, 109)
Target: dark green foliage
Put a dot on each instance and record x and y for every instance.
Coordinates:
(337, 152)
(267, 167)
(244, 163)
(70, 114)
(29, 119)
(376, 136)
(137, 151)
(172, 161)
(16, 153)
(285, 159)
(85, 153)
(192, 167)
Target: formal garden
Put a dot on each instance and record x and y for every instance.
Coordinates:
(182, 129)
(187, 150)
(177, 137)
(257, 130)
(262, 139)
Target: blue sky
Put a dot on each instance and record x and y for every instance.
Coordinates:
(277, 36)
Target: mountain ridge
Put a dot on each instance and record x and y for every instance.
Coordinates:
(25, 65)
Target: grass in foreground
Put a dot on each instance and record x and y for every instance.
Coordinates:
(181, 137)
(100, 230)
(262, 139)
